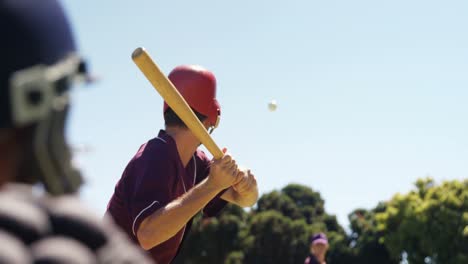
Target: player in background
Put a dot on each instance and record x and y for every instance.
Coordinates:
(318, 249)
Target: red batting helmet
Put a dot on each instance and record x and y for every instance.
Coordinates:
(198, 87)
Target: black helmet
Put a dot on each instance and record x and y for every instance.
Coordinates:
(38, 63)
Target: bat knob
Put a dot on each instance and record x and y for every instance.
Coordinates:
(137, 52)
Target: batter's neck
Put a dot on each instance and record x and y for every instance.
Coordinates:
(186, 143)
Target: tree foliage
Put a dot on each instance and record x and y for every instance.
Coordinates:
(213, 240)
(428, 224)
(366, 246)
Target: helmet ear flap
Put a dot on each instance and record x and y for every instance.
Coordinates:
(215, 111)
(215, 125)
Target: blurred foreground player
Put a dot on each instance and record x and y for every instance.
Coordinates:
(38, 66)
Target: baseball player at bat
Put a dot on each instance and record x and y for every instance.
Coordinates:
(169, 179)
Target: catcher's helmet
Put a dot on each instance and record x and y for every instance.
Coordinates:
(37, 67)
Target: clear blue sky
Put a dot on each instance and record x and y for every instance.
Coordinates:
(371, 94)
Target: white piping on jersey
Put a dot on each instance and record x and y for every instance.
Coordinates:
(162, 140)
(194, 161)
(136, 218)
(194, 174)
(185, 190)
(195, 171)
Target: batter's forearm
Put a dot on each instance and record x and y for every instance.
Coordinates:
(167, 221)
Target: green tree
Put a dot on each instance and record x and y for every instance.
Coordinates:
(365, 244)
(235, 257)
(287, 218)
(211, 240)
(303, 195)
(429, 223)
(294, 201)
(274, 238)
(279, 202)
(277, 230)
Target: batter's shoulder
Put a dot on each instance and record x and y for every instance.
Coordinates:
(153, 149)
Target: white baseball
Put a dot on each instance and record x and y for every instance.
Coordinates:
(272, 105)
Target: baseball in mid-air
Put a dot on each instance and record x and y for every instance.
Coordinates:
(272, 105)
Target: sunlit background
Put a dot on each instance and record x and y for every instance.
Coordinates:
(371, 94)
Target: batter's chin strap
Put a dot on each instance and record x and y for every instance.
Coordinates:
(40, 96)
(212, 128)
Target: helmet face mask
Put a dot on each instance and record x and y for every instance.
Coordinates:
(36, 90)
(40, 99)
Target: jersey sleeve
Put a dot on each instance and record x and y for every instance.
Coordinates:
(215, 206)
(152, 176)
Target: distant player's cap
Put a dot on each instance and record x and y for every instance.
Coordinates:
(319, 238)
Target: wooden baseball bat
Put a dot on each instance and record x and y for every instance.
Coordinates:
(174, 99)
